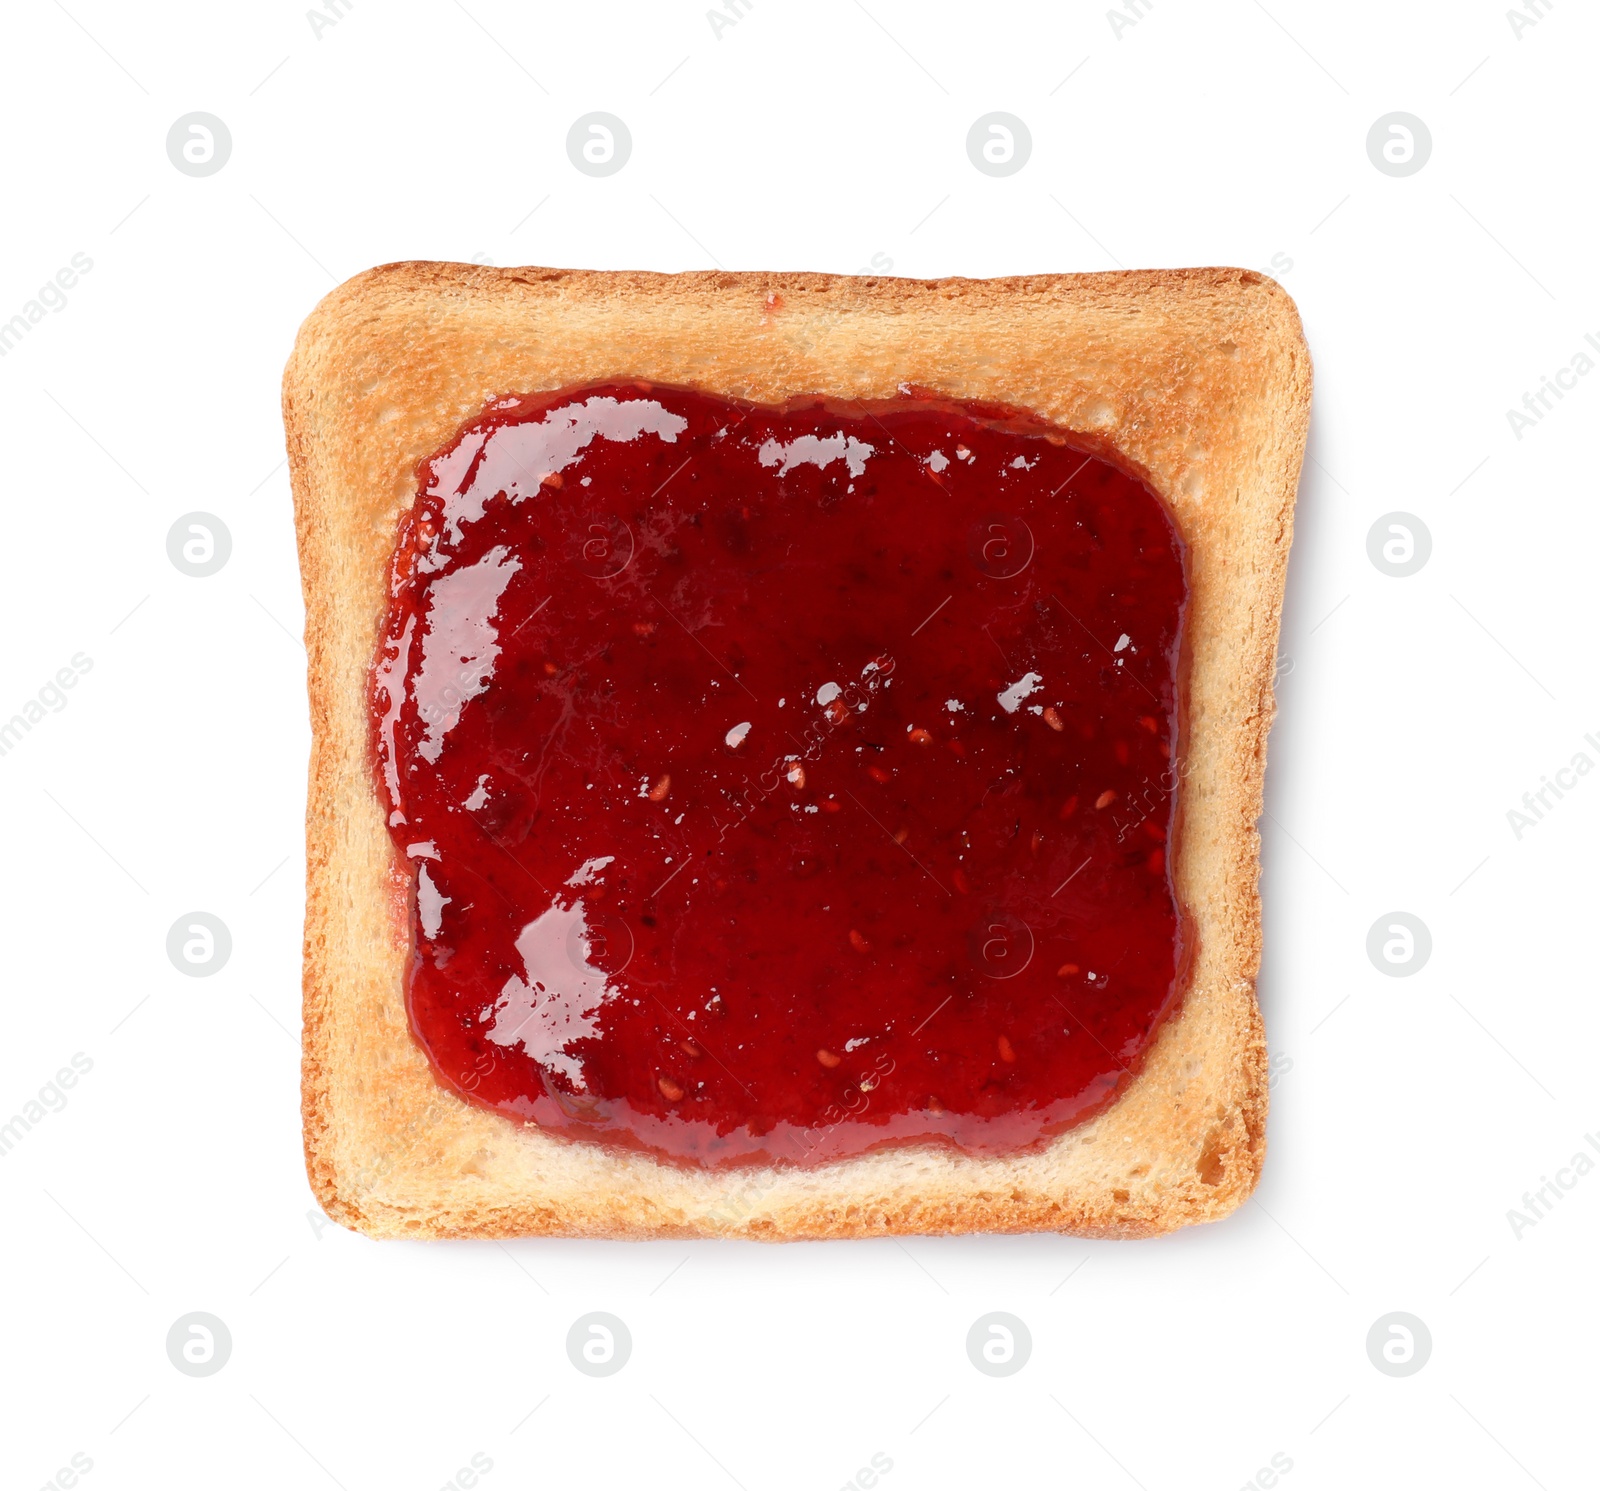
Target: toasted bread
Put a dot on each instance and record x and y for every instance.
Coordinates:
(1200, 379)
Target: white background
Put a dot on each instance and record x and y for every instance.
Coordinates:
(1409, 1114)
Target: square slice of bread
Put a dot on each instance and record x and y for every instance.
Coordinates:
(1200, 378)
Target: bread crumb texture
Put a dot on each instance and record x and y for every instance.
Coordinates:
(1199, 378)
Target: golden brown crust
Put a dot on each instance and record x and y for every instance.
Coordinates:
(1201, 377)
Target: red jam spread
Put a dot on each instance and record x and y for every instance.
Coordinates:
(784, 783)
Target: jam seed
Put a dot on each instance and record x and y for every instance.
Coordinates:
(918, 736)
(878, 774)
(644, 628)
(1066, 970)
(1105, 799)
(691, 1049)
(1052, 719)
(935, 1106)
(795, 773)
(1069, 807)
(1157, 861)
(669, 1089)
(1148, 722)
(833, 805)
(826, 1057)
(661, 789)
(1007, 1051)
(858, 942)
(551, 479)
(1155, 830)
(959, 880)
(901, 835)
(1036, 843)
(1121, 750)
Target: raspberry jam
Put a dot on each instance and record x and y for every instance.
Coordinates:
(782, 783)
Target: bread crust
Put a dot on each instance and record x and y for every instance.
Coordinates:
(1200, 378)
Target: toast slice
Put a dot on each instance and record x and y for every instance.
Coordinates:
(1199, 379)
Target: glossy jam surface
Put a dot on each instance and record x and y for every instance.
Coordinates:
(783, 783)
